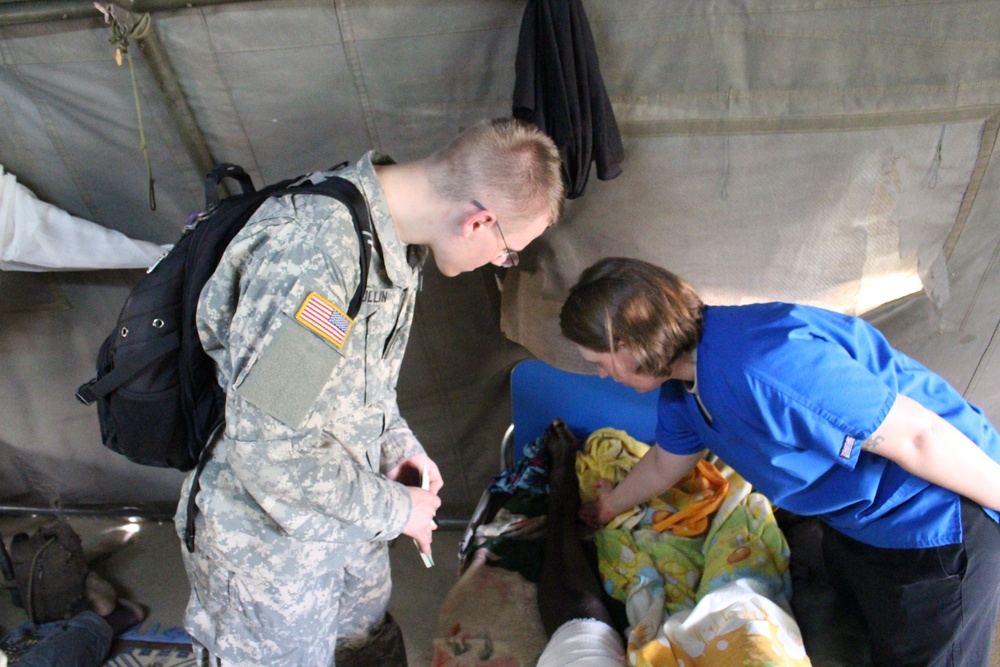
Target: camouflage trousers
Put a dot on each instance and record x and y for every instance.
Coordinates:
(314, 620)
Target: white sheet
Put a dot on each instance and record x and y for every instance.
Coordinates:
(36, 236)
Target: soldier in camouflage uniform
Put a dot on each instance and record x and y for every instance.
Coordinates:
(305, 488)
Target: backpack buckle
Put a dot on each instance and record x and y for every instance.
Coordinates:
(85, 394)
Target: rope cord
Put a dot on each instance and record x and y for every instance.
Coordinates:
(124, 29)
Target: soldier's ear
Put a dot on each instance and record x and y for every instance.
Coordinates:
(476, 219)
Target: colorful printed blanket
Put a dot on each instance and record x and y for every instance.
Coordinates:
(717, 597)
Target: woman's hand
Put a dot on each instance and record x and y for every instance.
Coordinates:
(652, 475)
(598, 513)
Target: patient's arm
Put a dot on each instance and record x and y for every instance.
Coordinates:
(568, 589)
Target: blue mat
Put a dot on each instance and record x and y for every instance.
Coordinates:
(139, 647)
(175, 635)
(541, 393)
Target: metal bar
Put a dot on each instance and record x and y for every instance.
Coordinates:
(16, 13)
(162, 514)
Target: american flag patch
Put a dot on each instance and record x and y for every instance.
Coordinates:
(325, 319)
(847, 447)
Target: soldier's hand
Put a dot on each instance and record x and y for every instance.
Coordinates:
(421, 525)
(408, 472)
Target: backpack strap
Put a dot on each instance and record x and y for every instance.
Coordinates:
(192, 505)
(348, 193)
(89, 392)
(344, 191)
(7, 568)
(220, 172)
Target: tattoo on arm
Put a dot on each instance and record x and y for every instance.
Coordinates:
(871, 443)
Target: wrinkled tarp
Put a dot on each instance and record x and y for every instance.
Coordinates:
(829, 145)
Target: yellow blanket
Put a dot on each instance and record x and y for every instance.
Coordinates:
(713, 590)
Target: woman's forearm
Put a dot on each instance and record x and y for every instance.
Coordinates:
(652, 475)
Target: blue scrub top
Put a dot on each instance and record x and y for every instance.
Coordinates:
(793, 391)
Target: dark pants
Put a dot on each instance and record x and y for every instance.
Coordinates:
(82, 641)
(924, 607)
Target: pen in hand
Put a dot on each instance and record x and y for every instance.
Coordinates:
(425, 484)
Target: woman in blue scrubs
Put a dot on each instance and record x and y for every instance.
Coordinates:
(823, 416)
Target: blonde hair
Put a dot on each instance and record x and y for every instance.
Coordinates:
(505, 163)
(620, 302)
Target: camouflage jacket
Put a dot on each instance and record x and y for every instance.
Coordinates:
(311, 414)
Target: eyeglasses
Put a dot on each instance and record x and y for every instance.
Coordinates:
(512, 258)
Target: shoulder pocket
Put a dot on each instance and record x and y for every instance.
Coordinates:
(290, 373)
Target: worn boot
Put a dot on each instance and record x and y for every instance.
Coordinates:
(384, 648)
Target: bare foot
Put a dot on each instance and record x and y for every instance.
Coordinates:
(563, 484)
(100, 594)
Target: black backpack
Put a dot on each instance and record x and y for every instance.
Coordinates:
(158, 400)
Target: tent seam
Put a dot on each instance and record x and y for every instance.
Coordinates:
(357, 73)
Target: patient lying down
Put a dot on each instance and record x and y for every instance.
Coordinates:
(710, 592)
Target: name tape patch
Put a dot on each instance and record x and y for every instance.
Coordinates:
(321, 316)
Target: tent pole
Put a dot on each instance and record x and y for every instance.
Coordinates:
(15, 12)
(156, 57)
(150, 47)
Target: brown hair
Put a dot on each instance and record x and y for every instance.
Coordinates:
(505, 163)
(620, 302)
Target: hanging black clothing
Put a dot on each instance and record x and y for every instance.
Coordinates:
(558, 87)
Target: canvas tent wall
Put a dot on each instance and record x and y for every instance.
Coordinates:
(825, 151)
